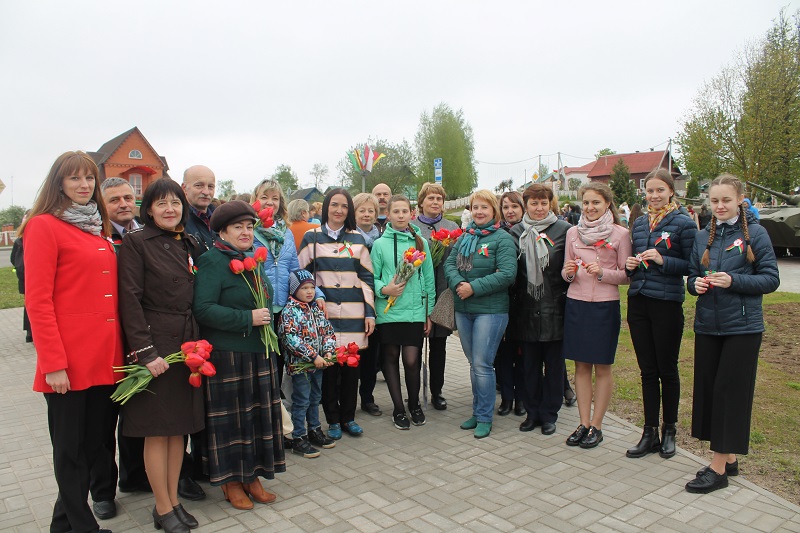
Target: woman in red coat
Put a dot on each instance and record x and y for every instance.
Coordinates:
(71, 296)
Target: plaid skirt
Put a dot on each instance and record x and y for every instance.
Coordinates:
(243, 419)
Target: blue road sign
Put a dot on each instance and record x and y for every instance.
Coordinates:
(437, 163)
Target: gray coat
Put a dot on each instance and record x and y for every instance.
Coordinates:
(425, 231)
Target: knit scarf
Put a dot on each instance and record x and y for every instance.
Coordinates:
(429, 221)
(272, 237)
(84, 217)
(537, 255)
(468, 242)
(592, 232)
(657, 215)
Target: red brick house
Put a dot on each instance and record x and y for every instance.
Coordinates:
(639, 164)
(131, 157)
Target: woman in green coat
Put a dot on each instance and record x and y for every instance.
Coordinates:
(243, 403)
(479, 271)
(403, 325)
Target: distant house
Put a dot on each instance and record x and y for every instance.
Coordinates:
(639, 164)
(309, 194)
(131, 157)
(581, 173)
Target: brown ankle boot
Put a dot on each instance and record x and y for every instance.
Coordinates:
(234, 493)
(257, 492)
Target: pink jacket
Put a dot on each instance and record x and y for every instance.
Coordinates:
(585, 286)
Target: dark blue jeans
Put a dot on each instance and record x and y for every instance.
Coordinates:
(306, 395)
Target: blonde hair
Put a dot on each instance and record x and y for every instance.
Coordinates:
(733, 181)
(364, 197)
(296, 208)
(490, 198)
(429, 188)
(266, 185)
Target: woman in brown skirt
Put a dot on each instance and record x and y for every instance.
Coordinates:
(156, 284)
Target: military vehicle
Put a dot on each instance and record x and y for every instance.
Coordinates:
(782, 223)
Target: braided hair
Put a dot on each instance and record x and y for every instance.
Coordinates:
(403, 198)
(733, 181)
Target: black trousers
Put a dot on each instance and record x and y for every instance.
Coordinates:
(656, 330)
(437, 357)
(340, 393)
(103, 474)
(724, 384)
(368, 369)
(508, 365)
(543, 370)
(79, 423)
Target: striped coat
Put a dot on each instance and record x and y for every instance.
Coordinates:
(343, 271)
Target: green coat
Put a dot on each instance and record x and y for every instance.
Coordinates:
(492, 274)
(223, 305)
(419, 296)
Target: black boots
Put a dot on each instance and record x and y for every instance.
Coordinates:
(505, 407)
(667, 448)
(649, 443)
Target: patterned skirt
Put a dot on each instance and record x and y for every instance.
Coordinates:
(243, 419)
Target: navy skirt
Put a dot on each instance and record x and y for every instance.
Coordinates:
(591, 331)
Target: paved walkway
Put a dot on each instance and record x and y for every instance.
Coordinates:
(431, 478)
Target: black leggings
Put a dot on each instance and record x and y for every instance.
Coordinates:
(391, 371)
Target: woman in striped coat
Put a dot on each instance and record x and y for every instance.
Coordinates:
(337, 254)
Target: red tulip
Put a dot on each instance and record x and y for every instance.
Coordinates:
(261, 254)
(188, 347)
(194, 361)
(249, 264)
(352, 361)
(341, 355)
(257, 205)
(267, 222)
(456, 233)
(267, 212)
(204, 346)
(352, 348)
(208, 369)
(237, 267)
(195, 379)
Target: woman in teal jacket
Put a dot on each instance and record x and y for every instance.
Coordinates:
(479, 271)
(403, 325)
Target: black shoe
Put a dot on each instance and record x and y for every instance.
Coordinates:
(144, 486)
(709, 481)
(731, 469)
(649, 443)
(439, 403)
(577, 436)
(188, 489)
(287, 443)
(317, 437)
(417, 416)
(519, 408)
(505, 407)
(105, 510)
(548, 428)
(371, 408)
(667, 448)
(593, 437)
(528, 425)
(169, 522)
(185, 517)
(570, 397)
(304, 448)
(401, 421)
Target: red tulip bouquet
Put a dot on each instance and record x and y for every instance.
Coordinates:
(345, 355)
(412, 260)
(259, 291)
(194, 354)
(440, 241)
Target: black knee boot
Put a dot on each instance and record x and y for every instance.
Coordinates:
(667, 449)
(649, 443)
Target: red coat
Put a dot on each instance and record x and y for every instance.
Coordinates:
(71, 297)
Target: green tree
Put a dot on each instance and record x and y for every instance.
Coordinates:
(12, 216)
(395, 169)
(693, 188)
(624, 189)
(446, 134)
(286, 177)
(574, 184)
(225, 189)
(604, 151)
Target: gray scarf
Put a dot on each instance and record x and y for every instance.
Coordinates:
(84, 217)
(537, 254)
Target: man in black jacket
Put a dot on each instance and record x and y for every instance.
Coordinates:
(199, 184)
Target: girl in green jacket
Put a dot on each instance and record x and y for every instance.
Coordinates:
(403, 325)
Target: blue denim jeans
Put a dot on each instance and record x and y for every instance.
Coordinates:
(480, 335)
(306, 395)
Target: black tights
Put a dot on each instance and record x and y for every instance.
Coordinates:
(391, 371)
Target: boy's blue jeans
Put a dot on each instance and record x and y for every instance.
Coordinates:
(306, 395)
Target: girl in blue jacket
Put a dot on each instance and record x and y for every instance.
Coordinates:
(403, 326)
(732, 266)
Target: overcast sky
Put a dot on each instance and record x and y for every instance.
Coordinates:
(245, 86)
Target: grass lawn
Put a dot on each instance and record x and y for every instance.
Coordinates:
(9, 293)
(774, 459)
